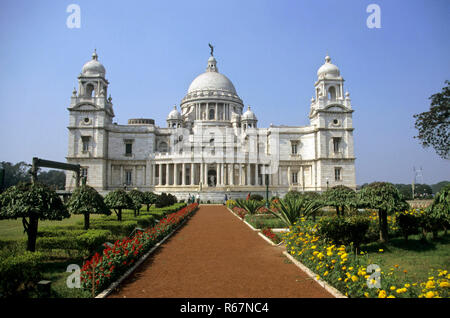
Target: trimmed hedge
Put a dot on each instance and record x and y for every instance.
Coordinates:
(84, 241)
(346, 230)
(20, 273)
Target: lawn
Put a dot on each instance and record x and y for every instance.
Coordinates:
(13, 242)
(415, 256)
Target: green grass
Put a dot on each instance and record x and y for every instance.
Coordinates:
(416, 256)
(13, 242)
(13, 229)
(263, 221)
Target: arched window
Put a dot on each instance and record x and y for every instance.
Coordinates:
(89, 90)
(211, 114)
(332, 93)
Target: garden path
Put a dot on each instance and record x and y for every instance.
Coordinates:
(216, 255)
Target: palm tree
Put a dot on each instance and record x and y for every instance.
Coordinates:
(251, 206)
(292, 208)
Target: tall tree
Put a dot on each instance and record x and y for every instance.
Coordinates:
(433, 125)
(384, 197)
(31, 202)
(86, 200)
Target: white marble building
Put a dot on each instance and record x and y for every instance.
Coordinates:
(214, 145)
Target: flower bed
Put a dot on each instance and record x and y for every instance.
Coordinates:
(342, 268)
(270, 235)
(240, 212)
(116, 260)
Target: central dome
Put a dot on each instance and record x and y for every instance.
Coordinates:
(212, 81)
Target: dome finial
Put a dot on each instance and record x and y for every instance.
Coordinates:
(327, 58)
(94, 55)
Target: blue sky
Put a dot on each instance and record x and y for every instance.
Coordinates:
(271, 50)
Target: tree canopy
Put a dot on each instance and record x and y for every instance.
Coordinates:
(340, 197)
(384, 197)
(86, 200)
(137, 197)
(433, 125)
(33, 202)
(118, 200)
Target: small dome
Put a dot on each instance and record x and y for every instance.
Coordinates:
(174, 114)
(328, 70)
(93, 67)
(249, 115)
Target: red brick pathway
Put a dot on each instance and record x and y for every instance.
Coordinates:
(216, 255)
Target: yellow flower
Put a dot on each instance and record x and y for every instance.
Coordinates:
(407, 285)
(343, 268)
(392, 287)
(380, 250)
(325, 274)
(391, 296)
(429, 284)
(313, 247)
(401, 290)
(354, 278)
(429, 294)
(366, 294)
(350, 268)
(382, 294)
(444, 284)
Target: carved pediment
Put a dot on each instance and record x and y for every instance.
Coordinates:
(85, 107)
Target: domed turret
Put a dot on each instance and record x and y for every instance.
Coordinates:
(249, 119)
(93, 67)
(328, 70)
(174, 119)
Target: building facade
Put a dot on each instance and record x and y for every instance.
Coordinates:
(213, 145)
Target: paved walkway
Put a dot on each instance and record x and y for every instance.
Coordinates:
(216, 255)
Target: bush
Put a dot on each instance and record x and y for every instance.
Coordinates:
(408, 222)
(117, 228)
(80, 240)
(256, 197)
(164, 200)
(18, 274)
(344, 230)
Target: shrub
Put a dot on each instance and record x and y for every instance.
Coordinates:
(251, 206)
(256, 197)
(20, 273)
(117, 228)
(290, 209)
(409, 222)
(344, 230)
(164, 200)
(83, 241)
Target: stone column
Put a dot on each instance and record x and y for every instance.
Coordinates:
(240, 174)
(201, 173)
(206, 174)
(217, 114)
(256, 175)
(248, 174)
(175, 174)
(222, 177)
(160, 174)
(121, 176)
(289, 175)
(167, 174)
(192, 173)
(231, 175)
(183, 174)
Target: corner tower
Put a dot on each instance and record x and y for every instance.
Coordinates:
(90, 113)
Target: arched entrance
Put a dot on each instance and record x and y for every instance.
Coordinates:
(212, 178)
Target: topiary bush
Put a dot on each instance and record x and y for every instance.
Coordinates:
(344, 230)
(256, 197)
(19, 274)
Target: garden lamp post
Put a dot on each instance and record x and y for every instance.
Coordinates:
(267, 190)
